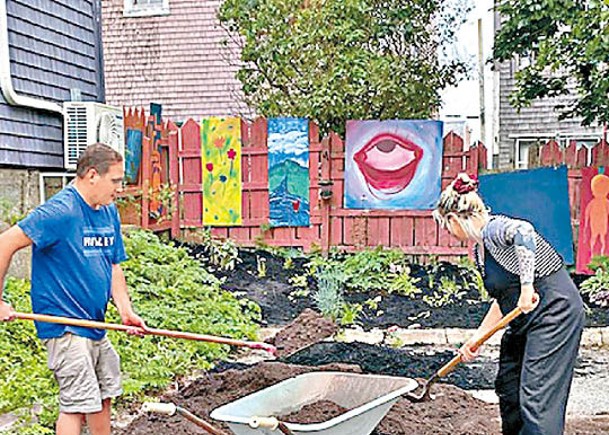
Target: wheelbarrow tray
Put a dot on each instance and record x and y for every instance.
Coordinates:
(368, 398)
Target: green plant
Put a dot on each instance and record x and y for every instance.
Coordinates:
(373, 304)
(9, 214)
(597, 286)
(350, 312)
(328, 297)
(300, 293)
(164, 194)
(131, 200)
(288, 263)
(402, 283)
(392, 337)
(261, 266)
(448, 293)
(223, 254)
(471, 275)
(299, 281)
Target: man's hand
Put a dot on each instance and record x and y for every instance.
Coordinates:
(131, 319)
(6, 312)
(529, 299)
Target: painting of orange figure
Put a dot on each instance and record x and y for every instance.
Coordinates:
(221, 159)
(594, 219)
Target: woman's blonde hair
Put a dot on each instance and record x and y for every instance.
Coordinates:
(460, 200)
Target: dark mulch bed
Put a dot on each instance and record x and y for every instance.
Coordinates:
(281, 303)
(410, 362)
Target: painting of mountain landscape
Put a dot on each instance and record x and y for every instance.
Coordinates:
(288, 141)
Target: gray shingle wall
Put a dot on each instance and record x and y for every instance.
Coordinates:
(177, 60)
(54, 46)
(540, 118)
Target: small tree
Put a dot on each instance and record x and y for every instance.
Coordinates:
(567, 42)
(333, 60)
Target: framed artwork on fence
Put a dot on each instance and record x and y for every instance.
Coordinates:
(393, 165)
(221, 160)
(594, 217)
(288, 142)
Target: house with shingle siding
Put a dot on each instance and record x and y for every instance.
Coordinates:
(172, 53)
(50, 50)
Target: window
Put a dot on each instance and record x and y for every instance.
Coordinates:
(145, 8)
(51, 183)
(522, 151)
(523, 144)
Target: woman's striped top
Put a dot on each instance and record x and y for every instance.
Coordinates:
(518, 248)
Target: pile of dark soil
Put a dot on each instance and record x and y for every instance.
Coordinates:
(281, 302)
(318, 412)
(308, 328)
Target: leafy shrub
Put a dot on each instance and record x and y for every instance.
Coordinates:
(169, 290)
(597, 286)
(221, 253)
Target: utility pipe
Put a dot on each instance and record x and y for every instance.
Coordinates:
(6, 80)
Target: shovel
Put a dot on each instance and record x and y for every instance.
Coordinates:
(148, 331)
(448, 367)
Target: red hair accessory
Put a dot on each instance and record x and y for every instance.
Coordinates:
(465, 186)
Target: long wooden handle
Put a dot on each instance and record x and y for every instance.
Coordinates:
(448, 367)
(148, 331)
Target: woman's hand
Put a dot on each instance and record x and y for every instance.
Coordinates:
(529, 299)
(467, 352)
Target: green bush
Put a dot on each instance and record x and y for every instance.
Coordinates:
(169, 290)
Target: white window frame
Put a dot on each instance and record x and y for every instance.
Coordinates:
(563, 142)
(132, 9)
(66, 178)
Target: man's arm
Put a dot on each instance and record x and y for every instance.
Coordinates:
(11, 241)
(120, 295)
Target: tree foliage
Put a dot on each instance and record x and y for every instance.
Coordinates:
(333, 60)
(567, 42)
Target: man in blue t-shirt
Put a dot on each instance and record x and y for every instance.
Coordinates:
(77, 251)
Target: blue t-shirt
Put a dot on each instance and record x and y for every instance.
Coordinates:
(74, 249)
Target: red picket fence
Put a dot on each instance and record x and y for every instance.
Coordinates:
(332, 225)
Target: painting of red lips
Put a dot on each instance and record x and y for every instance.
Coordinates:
(393, 164)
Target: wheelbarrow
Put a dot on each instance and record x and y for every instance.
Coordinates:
(368, 398)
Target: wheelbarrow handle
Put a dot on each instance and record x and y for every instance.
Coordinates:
(149, 331)
(172, 409)
(270, 423)
(505, 320)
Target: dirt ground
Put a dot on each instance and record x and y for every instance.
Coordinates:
(452, 410)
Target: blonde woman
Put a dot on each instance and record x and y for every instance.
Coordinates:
(520, 268)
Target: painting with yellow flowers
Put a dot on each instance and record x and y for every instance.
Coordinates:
(221, 159)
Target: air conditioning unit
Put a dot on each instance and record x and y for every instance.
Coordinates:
(86, 123)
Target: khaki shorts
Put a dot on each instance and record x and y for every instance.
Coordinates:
(87, 371)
